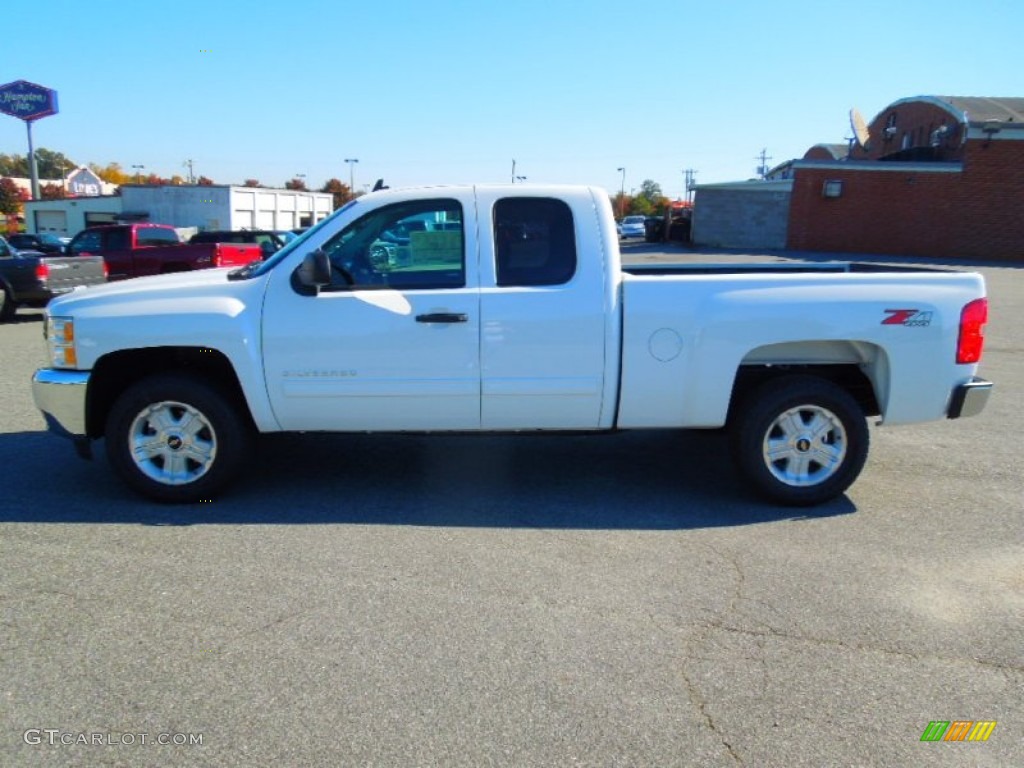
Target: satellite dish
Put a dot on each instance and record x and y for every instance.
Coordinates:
(859, 127)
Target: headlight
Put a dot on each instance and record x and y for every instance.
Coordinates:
(60, 334)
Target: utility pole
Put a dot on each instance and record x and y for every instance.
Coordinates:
(764, 157)
(351, 175)
(622, 191)
(690, 176)
(191, 177)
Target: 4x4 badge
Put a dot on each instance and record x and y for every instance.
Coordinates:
(911, 318)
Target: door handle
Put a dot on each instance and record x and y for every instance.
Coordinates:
(442, 317)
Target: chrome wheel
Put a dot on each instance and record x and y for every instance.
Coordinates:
(804, 445)
(172, 443)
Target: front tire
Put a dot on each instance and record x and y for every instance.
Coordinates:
(176, 439)
(800, 440)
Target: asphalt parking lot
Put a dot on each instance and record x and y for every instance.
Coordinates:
(553, 601)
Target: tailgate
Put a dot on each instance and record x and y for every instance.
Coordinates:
(237, 254)
(60, 274)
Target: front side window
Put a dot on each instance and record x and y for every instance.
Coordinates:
(418, 244)
(535, 241)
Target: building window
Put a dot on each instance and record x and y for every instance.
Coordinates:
(832, 188)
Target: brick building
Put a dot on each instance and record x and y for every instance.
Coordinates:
(934, 176)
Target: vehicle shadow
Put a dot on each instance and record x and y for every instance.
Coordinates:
(660, 480)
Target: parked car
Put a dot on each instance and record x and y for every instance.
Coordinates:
(470, 335)
(632, 226)
(135, 250)
(269, 242)
(32, 278)
(44, 243)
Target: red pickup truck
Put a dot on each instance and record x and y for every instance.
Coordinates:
(134, 250)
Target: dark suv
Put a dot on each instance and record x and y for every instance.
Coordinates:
(44, 243)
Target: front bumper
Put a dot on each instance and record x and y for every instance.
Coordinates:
(969, 399)
(60, 395)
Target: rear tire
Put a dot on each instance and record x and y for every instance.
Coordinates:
(7, 306)
(176, 439)
(799, 440)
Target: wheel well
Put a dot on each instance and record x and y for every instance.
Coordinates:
(115, 372)
(847, 376)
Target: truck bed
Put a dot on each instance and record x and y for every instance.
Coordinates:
(712, 268)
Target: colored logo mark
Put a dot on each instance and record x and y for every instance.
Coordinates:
(958, 730)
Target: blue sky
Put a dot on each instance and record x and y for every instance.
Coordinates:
(451, 91)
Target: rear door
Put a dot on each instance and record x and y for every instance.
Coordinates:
(543, 312)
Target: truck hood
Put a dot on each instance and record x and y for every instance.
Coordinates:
(142, 295)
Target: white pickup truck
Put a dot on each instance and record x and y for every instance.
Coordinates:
(506, 309)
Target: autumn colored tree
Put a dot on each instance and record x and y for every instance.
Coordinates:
(176, 180)
(299, 184)
(202, 181)
(112, 173)
(155, 179)
(10, 196)
(251, 183)
(52, 192)
(341, 191)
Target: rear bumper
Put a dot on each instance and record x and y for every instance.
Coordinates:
(60, 395)
(969, 399)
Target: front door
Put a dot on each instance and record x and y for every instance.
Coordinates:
(393, 344)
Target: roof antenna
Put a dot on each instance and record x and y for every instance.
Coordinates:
(379, 186)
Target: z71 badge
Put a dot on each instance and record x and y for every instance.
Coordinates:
(911, 318)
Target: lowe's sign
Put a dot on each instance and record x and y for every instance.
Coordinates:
(27, 101)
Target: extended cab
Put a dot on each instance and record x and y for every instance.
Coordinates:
(506, 308)
(136, 250)
(31, 278)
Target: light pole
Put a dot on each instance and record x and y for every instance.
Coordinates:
(351, 176)
(138, 173)
(622, 191)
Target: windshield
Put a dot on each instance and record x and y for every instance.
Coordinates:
(262, 267)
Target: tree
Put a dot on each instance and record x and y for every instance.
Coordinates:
(252, 183)
(341, 191)
(52, 192)
(177, 180)
(10, 196)
(112, 173)
(49, 165)
(299, 184)
(13, 165)
(155, 179)
(53, 165)
(202, 181)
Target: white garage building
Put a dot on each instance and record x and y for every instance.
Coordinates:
(184, 207)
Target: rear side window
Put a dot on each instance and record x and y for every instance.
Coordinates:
(156, 236)
(535, 241)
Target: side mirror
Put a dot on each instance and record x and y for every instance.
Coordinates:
(313, 273)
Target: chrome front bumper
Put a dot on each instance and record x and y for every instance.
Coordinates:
(969, 399)
(60, 395)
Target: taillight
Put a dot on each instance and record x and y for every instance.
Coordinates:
(972, 332)
(106, 270)
(42, 271)
(216, 256)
